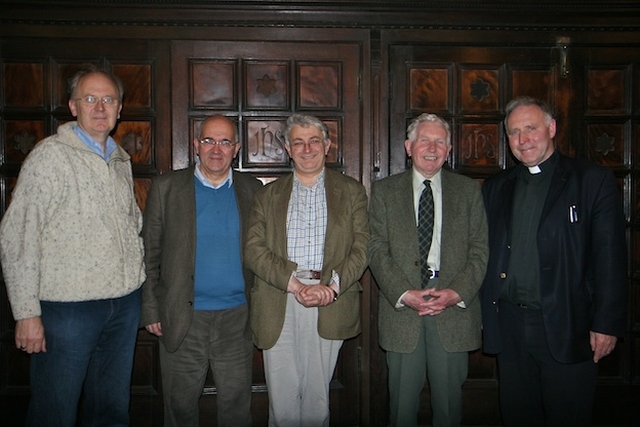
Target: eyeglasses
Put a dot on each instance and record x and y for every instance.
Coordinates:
(225, 143)
(92, 100)
(311, 143)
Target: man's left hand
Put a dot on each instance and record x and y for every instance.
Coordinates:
(439, 300)
(315, 296)
(601, 344)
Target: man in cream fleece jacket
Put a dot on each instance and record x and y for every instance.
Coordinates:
(72, 259)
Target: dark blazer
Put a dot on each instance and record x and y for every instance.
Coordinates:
(169, 232)
(583, 264)
(345, 251)
(395, 260)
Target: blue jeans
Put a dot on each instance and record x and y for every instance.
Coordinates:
(90, 347)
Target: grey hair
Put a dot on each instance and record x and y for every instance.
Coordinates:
(525, 101)
(304, 121)
(427, 117)
(92, 69)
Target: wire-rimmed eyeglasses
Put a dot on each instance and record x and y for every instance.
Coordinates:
(225, 143)
(92, 100)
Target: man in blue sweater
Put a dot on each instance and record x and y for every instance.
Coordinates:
(195, 295)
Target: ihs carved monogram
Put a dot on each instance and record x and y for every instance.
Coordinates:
(267, 86)
(24, 142)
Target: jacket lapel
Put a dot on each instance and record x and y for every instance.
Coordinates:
(558, 182)
(184, 202)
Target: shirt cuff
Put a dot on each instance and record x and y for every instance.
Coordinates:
(399, 303)
(335, 278)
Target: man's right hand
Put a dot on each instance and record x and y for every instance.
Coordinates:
(417, 300)
(154, 328)
(29, 335)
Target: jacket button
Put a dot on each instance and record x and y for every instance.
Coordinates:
(417, 263)
(503, 275)
(190, 303)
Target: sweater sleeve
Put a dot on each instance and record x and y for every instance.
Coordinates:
(33, 197)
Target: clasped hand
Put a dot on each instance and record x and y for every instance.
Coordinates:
(314, 295)
(310, 295)
(430, 301)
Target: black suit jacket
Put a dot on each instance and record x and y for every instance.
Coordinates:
(583, 262)
(169, 233)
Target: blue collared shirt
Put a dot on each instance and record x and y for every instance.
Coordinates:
(94, 145)
(203, 179)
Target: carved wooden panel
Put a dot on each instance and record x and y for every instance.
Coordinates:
(538, 83)
(430, 88)
(320, 85)
(137, 82)
(606, 143)
(479, 90)
(212, 84)
(267, 85)
(20, 137)
(135, 137)
(265, 144)
(30, 91)
(479, 144)
(607, 91)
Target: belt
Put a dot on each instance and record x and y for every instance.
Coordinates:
(520, 305)
(432, 274)
(308, 274)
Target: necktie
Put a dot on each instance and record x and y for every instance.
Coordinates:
(425, 229)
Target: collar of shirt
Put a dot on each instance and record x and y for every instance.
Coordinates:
(418, 186)
(203, 179)
(539, 172)
(95, 146)
(319, 183)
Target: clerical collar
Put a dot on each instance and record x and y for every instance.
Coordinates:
(534, 170)
(544, 166)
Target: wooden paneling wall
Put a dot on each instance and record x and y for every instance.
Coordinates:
(367, 67)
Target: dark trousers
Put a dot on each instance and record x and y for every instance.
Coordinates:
(446, 372)
(535, 389)
(215, 339)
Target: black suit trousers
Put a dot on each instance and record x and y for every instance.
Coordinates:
(535, 389)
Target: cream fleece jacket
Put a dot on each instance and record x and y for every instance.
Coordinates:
(72, 229)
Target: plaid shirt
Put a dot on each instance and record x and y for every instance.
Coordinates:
(307, 224)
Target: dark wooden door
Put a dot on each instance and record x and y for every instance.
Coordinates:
(597, 110)
(259, 84)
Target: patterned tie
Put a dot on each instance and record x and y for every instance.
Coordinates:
(425, 229)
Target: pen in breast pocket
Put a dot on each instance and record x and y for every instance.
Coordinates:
(573, 214)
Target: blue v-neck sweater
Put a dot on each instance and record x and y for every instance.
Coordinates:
(219, 283)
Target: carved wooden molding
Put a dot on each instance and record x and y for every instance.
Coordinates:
(569, 15)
